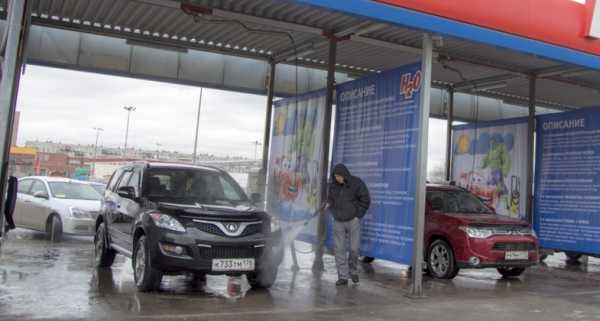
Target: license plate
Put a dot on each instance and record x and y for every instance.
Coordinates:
(516, 255)
(233, 264)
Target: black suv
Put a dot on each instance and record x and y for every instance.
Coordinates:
(171, 218)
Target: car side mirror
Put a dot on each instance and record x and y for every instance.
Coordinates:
(126, 192)
(256, 198)
(40, 194)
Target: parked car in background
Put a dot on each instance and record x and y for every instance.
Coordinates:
(462, 232)
(56, 206)
(180, 218)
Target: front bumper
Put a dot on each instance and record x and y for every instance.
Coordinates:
(497, 264)
(78, 226)
(201, 248)
(491, 252)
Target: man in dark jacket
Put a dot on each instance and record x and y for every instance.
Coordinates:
(348, 199)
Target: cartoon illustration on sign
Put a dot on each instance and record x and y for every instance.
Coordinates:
(294, 169)
(485, 166)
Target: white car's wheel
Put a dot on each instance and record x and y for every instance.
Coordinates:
(54, 228)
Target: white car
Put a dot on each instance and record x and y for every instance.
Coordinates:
(56, 205)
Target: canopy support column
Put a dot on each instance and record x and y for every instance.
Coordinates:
(322, 224)
(416, 289)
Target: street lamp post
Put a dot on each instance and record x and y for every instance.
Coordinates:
(158, 145)
(197, 128)
(129, 109)
(256, 144)
(98, 130)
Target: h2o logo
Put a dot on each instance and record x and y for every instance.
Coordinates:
(410, 83)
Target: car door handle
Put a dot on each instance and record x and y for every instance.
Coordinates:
(26, 201)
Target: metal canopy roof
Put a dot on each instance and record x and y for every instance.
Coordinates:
(286, 31)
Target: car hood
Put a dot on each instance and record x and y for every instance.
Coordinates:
(487, 219)
(86, 205)
(213, 211)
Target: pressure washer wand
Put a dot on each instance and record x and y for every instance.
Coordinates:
(316, 213)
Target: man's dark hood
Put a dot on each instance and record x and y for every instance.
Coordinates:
(340, 169)
(349, 200)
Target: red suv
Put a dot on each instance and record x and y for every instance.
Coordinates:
(462, 232)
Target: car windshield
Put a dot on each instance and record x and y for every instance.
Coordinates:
(75, 191)
(99, 188)
(192, 186)
(452, 201)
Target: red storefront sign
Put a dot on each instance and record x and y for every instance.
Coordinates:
(573, 24)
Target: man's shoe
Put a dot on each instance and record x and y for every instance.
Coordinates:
(341, 282)
(354, 278)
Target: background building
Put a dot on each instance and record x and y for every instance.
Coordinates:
(23, 161)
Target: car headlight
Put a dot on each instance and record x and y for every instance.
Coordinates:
(79, 213)
(477, 232)
(275, 225)
(167, 222)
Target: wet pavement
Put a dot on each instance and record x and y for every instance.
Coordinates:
(40, 280)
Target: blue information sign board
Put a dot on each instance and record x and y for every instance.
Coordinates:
(567, 184)
(376, 137)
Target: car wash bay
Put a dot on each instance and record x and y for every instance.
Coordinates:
(293, 48)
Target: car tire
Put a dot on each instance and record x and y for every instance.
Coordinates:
(263, 279)
(146, 277)
(511, 272)
(367, 259)
(440, 260)
(199, 278)
(104, 256)
(54, 228)
(573, 257)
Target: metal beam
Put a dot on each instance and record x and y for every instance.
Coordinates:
(268, 116)
(554, 71)
(362, 28)
(551, 72)
(266, 22)
(450, 121)
(576, 73)
(146, 39)
(473, 84)
(387, 45)
(299, 50)
(9, 84)
(317, 43)
(524, 101)
(416, 289)
(321, 225)
(530, 147)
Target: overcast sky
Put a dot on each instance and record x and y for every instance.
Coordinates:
(62, 105)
